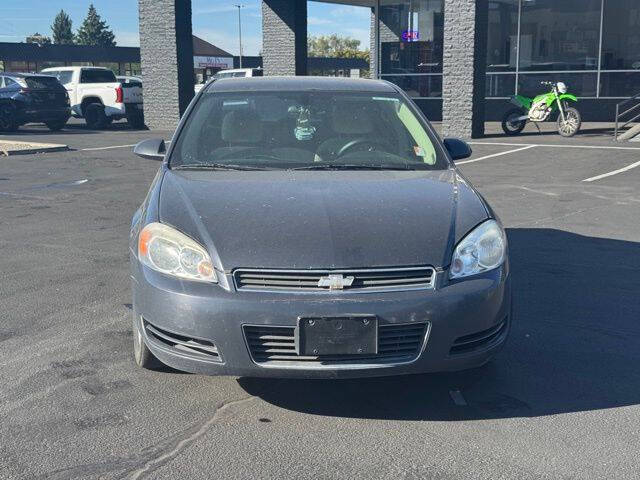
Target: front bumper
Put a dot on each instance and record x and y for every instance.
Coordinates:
(465, 324)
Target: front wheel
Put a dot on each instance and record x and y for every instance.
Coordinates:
(571, 123)
(141, 353)
(510, 123)
(56, 125)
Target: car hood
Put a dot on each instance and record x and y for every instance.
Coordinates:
(322, 219)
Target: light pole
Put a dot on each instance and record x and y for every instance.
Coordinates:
(240, 7)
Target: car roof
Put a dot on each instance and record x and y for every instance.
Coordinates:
(24, 75)
(338, 84)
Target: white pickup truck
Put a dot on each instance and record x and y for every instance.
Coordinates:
(98, 97)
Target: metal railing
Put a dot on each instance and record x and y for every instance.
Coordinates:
(619, 115)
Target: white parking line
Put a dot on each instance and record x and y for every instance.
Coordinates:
(615, 172)
(106, 148)
(167, 142)
(548, 145)
(496, 155)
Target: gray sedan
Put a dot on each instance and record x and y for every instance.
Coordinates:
(314, 228)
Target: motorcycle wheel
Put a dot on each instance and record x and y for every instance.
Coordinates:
(511, 126)
(571, 124)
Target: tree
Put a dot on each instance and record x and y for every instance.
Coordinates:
(95, 31)
(61, 29)
(39, 39)
(335, 46)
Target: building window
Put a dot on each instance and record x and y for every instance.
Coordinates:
(502, 39)
(621, 35)
(43, 65)
(579, 84)
(619, 84)
(113, 66)
(560, 35)
(411, 38)
(500, 85)
(20, 67)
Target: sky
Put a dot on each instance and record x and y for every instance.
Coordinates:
(214, 20)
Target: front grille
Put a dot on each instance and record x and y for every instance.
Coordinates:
(361, 280)
(192, 346)
(478, 340)
(277, 346)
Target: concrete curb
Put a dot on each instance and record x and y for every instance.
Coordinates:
(5, 148)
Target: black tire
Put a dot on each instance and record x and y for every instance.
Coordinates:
(95, 117)
(572, 123)
(136, 121)
(56, 125)
(141, 353)
(8, 117)
(510, 127)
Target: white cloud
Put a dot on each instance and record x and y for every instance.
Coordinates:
(352, 13)
(127, 39)
(318, 21)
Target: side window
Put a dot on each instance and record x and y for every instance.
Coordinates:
(239, 75)
(1, 82)
(8, 82)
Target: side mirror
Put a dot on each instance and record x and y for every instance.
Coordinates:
(457, 148)
(153, 149)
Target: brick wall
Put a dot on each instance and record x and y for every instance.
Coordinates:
(284, 37)
(464, 67)
(166, 54)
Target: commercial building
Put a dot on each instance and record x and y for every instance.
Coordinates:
(459, 59)
(30, 57)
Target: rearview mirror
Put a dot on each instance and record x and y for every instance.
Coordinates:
(153, 149)
(458, 149)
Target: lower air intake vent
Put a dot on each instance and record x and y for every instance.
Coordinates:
(479, 340)
(271, 345)
(190, 346)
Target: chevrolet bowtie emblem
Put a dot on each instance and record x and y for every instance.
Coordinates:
(335, 282)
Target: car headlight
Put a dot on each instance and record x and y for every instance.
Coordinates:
(481, 250)
(169, 251)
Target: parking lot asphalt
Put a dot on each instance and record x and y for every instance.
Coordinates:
(562, 400)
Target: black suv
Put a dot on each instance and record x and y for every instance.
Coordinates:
(27, 98)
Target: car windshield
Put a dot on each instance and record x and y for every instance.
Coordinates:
(305, 130)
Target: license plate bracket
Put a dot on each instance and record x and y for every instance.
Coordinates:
(346, 335)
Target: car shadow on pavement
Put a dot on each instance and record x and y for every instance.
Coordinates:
(549, 130)
(574, 346)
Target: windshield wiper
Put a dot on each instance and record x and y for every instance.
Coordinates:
(339, 166)
(218, 166)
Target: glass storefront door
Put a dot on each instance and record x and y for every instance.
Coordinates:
(411, 36)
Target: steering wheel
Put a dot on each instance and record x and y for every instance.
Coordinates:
(360, 141)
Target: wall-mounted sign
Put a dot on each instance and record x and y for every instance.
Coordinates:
(410, 35)
(213, 62)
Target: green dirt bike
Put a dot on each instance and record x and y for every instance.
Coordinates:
(539, 109)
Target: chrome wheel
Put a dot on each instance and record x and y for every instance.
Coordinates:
(571, 123)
